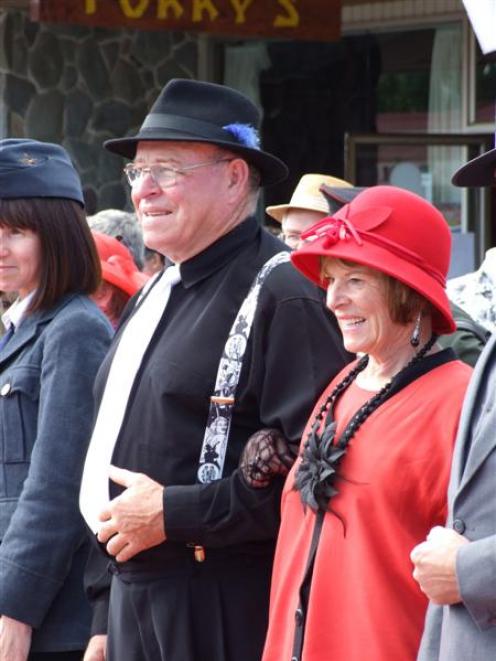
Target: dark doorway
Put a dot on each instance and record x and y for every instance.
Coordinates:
(311, 95)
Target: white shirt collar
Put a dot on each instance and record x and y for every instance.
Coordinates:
(17, 311)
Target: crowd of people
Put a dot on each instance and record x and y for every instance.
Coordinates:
(219, 446)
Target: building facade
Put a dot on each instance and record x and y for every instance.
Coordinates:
(398, 93)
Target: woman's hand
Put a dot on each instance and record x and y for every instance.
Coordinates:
(265, 455)
(15, 639)
(97, 648)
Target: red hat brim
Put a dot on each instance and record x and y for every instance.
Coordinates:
(307, 259)
(130, 283)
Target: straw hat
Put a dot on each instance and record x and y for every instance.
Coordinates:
(307, 195)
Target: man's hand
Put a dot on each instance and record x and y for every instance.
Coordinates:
(134, 521)
(97, 649)
(435, 565)
(15, 639)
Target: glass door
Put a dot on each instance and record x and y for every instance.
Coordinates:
(417, 162)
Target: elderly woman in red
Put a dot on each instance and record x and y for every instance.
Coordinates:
(372, 474)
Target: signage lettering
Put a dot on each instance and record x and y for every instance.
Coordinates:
(165, 5)
(199, 6)
(293, 19)
(240, 8)
(135, 9)
(133, 12)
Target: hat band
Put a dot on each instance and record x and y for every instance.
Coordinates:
(335, 228)
(195, 127)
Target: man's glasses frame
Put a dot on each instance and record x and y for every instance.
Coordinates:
(164, 175)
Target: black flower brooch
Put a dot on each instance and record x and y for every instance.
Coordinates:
(316, 474)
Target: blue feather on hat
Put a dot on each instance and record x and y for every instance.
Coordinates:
(245, 134)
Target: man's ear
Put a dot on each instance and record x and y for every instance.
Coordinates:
(239, 172)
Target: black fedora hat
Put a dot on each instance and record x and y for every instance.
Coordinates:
(339, 196)
(194, 111)
(480, 171)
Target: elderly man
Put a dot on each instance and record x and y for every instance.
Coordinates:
(456, 565)
(229, 332)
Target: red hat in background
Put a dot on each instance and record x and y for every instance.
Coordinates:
(118, 266)
(393, 231)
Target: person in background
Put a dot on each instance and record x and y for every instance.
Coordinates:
(120, 277)
(476, 292)
(55, 341)
(308, 205)
(190, 545)
(456, 565)
(123, 226)
(470, 337)
(375, 456)
(154, 262)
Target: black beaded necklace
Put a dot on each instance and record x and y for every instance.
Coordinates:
(321, 457)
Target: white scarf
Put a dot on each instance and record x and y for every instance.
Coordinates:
(136, 336)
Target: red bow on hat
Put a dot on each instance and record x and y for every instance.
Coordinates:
(346, 225)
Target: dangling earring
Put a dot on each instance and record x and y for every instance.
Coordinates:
(415, 336)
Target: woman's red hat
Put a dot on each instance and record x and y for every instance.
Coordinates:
(393, 231)
(118, 266)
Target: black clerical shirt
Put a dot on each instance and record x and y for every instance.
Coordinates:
(293, 352)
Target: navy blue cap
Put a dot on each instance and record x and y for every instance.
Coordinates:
(29, 168)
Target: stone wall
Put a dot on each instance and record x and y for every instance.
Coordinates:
(79, 86)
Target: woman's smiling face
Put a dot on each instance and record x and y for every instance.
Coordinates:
(357, 295)
(20, 260)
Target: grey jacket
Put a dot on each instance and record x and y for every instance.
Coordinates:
(46, 411)
(467, 631)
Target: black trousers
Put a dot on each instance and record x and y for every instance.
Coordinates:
(211, 611)
(56, 656)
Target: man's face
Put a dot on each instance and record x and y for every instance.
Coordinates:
(296, 221)
(176, 218)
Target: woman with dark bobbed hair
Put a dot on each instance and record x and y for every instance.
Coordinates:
(55, 340)
(372, 475)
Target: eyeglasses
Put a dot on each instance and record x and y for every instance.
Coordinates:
(291, 239)
(162, 175)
